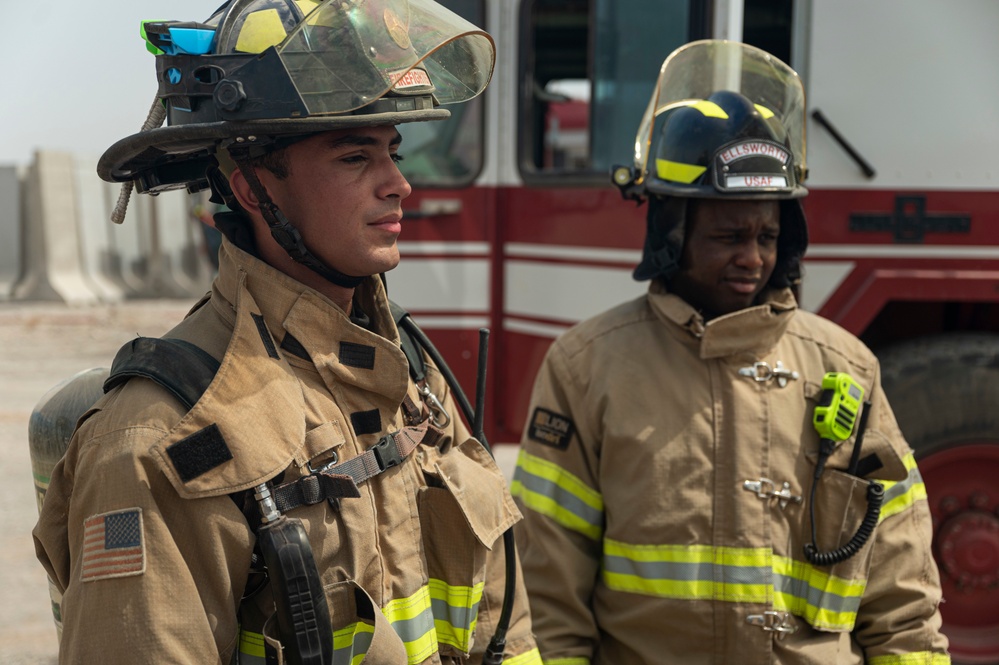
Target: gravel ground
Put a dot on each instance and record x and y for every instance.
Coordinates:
(42, 344)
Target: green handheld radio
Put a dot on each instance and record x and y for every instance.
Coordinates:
(834, 419)
(838, 406)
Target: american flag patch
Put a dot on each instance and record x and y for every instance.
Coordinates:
(113, 545)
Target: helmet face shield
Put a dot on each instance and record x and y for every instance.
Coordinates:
(271, 69)
(342, 56)
(733, 124)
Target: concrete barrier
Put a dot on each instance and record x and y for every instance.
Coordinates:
(11, 230)
(183, 267)
(93, 205)
(53, 268)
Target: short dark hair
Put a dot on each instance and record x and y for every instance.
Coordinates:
(275, 161)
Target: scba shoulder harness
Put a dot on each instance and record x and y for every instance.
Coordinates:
(185, 371)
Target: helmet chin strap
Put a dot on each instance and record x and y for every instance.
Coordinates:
(286, 235)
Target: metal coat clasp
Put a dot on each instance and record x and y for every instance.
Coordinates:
(766, 488)
(761, 372)
(781, 623)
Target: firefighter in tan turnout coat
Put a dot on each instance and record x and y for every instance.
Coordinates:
(150, 523)
(669, 458)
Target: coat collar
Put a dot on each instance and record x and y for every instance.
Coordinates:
(754, 329)
(253, 411)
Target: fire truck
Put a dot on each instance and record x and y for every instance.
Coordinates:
(514, 225)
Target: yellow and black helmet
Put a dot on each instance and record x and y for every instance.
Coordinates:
(263, 72)
(724, 146)
(731, 124)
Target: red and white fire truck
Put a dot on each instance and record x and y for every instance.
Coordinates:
(516, 227)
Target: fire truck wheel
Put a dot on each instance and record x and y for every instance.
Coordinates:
(945, 394)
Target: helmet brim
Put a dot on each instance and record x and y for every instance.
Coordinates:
(135, 155)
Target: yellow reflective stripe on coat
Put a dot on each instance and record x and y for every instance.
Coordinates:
(823, 600)
(438, 612)
(901, 495)
(251, 648)
(532, 657)
(547, 488)
(351, 643)
(567, 661)
(917, 658)
(750, 575)
(455, 610)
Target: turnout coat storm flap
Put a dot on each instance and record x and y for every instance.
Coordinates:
(664, 476)
(410, 568)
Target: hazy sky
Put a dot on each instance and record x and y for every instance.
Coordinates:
(77, 76)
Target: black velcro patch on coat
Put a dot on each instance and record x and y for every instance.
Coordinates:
(199, 453)
(265, 336)
(294, 347)
(366, 422)
(357, 355)
(551, 429)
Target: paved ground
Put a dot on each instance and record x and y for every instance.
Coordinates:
(40, 345)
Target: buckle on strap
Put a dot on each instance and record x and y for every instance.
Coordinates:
(771, 621)
(386, 453)
(313, 488)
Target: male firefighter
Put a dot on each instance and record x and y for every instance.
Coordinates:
(684, 502)
(315, 413)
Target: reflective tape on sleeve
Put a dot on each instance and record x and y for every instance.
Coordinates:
(901, 495)
(547, 488)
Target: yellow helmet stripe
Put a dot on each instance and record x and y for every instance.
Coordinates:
(260, 31)
(709, 109)
(678, 172)
(764, 111)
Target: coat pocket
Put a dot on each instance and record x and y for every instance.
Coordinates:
(827, 594)
(462, 515)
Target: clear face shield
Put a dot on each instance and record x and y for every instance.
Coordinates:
(699, 69)
(342, 55)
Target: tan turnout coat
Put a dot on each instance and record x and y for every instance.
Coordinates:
(665, 476)
(419, 552)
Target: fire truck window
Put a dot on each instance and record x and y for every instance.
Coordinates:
(767, 24)
(587, 69)
(632, 40)
(449, 153)
(567, 117)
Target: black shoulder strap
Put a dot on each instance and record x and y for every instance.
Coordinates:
(183, 368)
(417, 366)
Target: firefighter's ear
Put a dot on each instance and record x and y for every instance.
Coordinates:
(243, 192)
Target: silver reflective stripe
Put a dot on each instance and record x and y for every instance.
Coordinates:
(755, 575)
(816, 597)
(688, 572)
(562, 497)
